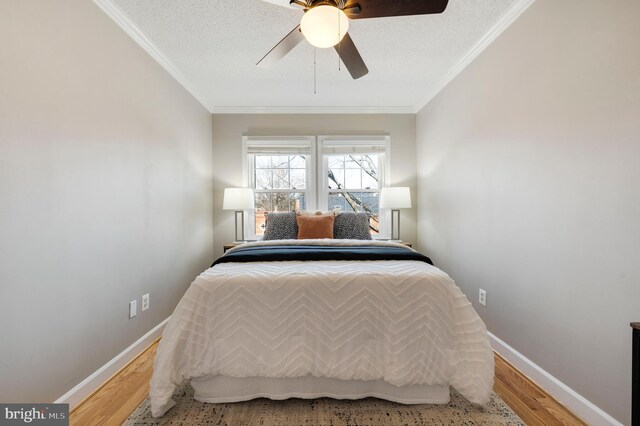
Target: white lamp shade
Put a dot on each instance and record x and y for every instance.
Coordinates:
(238, 199)
(398, 197)
(324, 26)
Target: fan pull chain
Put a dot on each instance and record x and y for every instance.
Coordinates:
(315, 74)
(339, 45)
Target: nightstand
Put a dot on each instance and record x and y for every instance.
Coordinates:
(232, 245)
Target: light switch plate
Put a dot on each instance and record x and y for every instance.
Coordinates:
(133, 307)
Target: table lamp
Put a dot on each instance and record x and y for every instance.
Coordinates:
(238, 199)
(395, 198)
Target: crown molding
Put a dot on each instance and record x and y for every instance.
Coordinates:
(123, 21)
(503, 23)
(129, 27)
(314, 110)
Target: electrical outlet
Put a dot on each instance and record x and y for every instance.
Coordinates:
(133, 308)
(145, 302)
(482, 298)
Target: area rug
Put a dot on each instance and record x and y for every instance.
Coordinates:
(325, 411)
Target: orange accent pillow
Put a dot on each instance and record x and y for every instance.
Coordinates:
(312, 227)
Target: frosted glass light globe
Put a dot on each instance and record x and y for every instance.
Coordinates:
(324, 26)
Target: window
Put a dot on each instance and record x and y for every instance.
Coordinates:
(280, 172)
(351, 171)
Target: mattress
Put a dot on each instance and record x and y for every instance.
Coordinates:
(401, 323)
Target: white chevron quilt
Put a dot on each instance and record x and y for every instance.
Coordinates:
(405, 322)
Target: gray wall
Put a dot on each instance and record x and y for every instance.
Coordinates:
(227, 138)
(105, 194)
(529, 187)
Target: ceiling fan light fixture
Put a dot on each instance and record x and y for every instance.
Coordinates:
(324, 26)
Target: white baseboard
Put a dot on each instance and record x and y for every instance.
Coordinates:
(104, 373)
(571, 399)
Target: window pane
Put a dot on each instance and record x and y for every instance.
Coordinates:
(370, 170)
(263, 202)
(336, 161)
(337, 200)
(280, 161)
(369, 182)
(353, 178)
(353, 161)
(335, 178)
(281, 179)
(281, 202)
(263, 161)
(263, 179)
(297, 201)
(297, 162)
(298, 177)
(369, 201)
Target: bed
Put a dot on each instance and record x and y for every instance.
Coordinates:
(311, 318)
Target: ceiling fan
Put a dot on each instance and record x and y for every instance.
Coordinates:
(326, 23)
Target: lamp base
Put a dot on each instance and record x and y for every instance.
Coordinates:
(395, 225)
(239, 231)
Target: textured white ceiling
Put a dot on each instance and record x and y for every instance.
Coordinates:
(215, 45)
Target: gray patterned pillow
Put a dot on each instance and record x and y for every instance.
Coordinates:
(352, 226)
(281, 226)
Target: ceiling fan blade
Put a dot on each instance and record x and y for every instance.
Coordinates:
(351, 57)
(361, 9)
(281, 49)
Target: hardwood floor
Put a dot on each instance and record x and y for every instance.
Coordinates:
(528, 400)
(120, 396)
(125, 391)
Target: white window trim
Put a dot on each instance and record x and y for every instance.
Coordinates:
(317, 196)
(283, 141)
(382, 141)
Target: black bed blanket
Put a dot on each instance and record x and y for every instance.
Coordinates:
(300, 252)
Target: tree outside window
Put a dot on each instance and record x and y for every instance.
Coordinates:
(353, 185)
